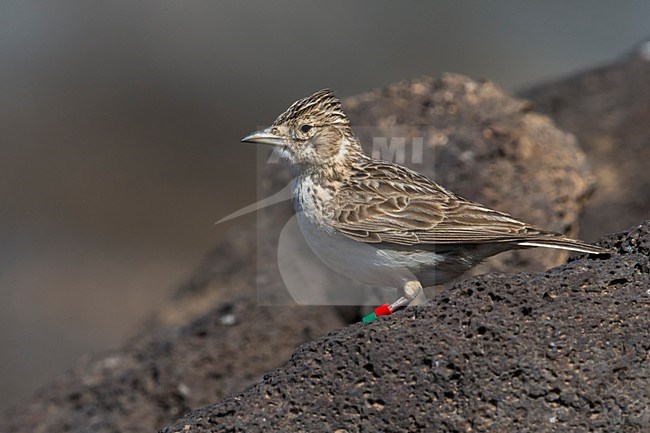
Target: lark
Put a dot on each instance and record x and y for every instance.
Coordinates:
(382, 223)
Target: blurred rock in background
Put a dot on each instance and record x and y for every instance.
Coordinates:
(608, 109)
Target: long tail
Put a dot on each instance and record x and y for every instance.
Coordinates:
(563, 243)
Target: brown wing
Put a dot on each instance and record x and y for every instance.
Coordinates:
(391, 204)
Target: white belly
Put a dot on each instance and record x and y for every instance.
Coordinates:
(367, 263)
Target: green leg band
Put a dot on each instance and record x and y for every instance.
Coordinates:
(370, 317)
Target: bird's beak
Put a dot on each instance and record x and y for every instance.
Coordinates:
(264, 137)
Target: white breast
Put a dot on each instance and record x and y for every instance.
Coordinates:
(353, 259)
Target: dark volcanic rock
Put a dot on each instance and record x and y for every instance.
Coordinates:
(565, 350)
(608, 109)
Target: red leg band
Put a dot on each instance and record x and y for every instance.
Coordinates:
(383, 310)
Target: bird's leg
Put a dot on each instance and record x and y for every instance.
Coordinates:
(413, 295)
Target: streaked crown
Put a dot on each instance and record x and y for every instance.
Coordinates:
(321, 108)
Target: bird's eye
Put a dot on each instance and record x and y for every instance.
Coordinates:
(305, 128)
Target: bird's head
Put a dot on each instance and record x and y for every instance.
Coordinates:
(312, 134)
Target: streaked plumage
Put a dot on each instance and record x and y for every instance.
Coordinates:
(382, 223)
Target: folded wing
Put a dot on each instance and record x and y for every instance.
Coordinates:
(389, 204)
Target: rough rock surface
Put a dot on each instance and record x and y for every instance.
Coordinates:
(608, 109)
(564, 350)
(217, 337)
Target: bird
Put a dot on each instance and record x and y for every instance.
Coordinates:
(382, 223)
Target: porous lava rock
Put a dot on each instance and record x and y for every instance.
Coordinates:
(567, 350)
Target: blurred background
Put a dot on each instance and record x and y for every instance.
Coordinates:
(120, 125)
